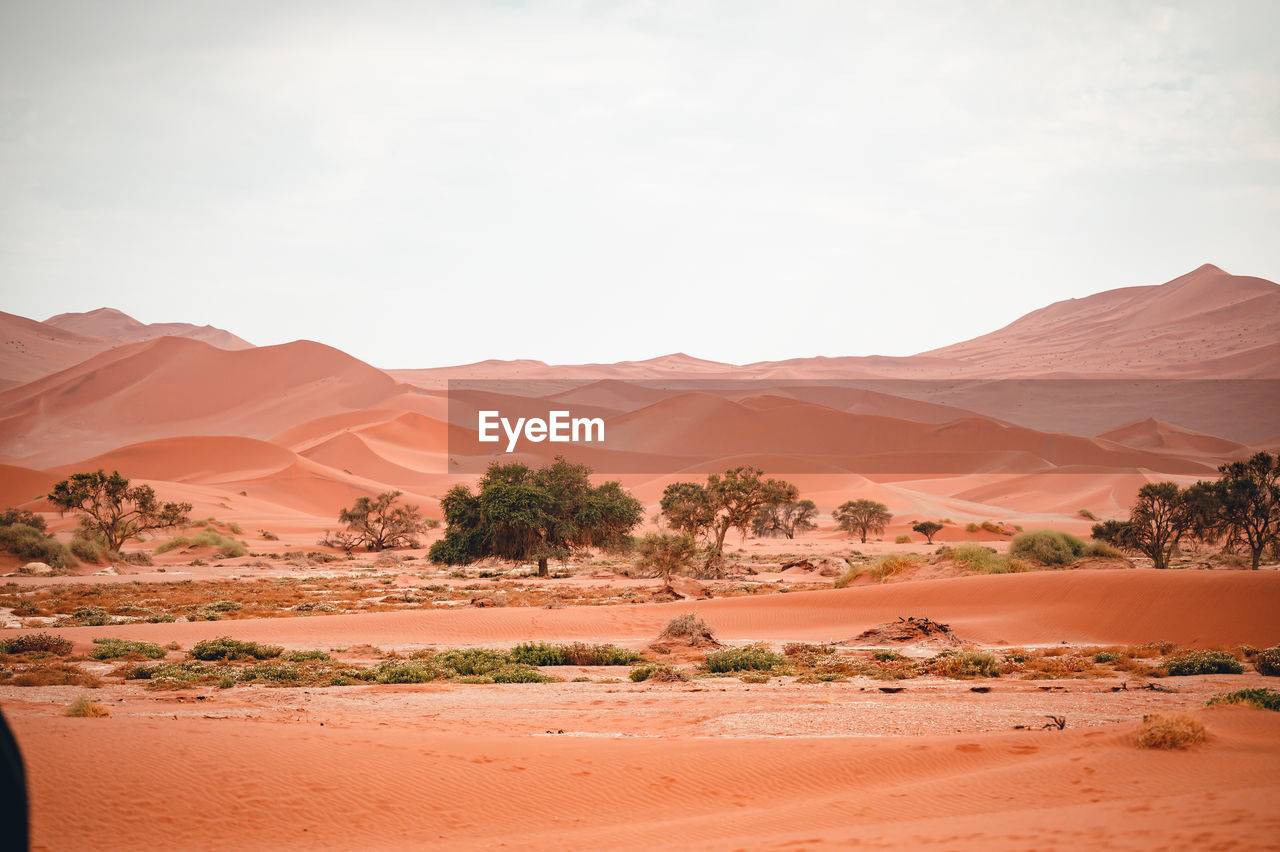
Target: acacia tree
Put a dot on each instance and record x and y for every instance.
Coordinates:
(114, 511)
(1248, 503)
(377, 523)
(667, 553)
(1159, 517)
(784, 519)
(862, 517)
(928, 529)
(519, 514)
(727, 501)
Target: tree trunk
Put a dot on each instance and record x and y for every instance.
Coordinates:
(864, 535)
(542, 567)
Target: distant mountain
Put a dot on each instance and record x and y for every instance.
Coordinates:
(119, 327)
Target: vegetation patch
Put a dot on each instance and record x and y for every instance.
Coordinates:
(880, 570)
(1048, 547)
(751, 657)
(1170, 731)
(1263, 699)
(965, 664)
(124, 649)
(36, 643)
(1203, 662)
(575, 654)
(1267, 662)
(226, 648)
(48, 673)
(657, 672)
(84, 708)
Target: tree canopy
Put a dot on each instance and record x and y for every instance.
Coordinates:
(928, 529)
(377, 523)
(113, 510)
(520, 513)
(726, 501)
(862, 517)
(784, 519)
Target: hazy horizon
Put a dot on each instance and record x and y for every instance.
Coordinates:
(595, 182)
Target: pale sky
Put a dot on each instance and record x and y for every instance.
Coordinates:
(430, 183)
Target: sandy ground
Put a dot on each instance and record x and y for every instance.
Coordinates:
(711, 764)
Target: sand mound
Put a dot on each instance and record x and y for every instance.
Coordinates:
(904, 631)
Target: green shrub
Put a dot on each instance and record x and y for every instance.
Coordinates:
(657, 672)
(403, 671)
(1102, 550)
(1202, 662)
(225, 606)
(42, 643)
(306, 656)
(90, 616)
(576, 654)
(1048, 547)
(471, 661)
(226, 547)
(89, 550)
(11, 517)
(519, 674)
(755, 657)
(28, 543)
(1107, 656)
(796, 649)
(115, 649)
(1263, 699)
(226, 648)
(1267, 662)
(884, 656)
(977, 559)
(181, 672)
(965, 664)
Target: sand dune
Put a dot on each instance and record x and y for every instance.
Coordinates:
(208, 459)
(1194, 608)
(33, 349)
(119, 327)
(19, 485)
(1152, 434)
(172, 386)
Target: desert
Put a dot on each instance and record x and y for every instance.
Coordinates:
(631, 425)
(943, 677)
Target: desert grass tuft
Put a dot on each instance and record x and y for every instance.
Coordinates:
(1170, 731)
(84, 708)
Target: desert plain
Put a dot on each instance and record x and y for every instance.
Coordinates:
(887, 694)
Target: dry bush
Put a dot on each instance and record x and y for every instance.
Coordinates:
(688, 627)
(48, 674)
(881, 570)
(1170, 731)
(1267, 662)
(41, 643)
(84, 708)
(658, 673)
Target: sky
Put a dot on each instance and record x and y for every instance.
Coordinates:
(432, 183)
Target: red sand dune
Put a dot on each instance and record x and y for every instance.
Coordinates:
(20, 485)
(119, 327)
(1152, 434)
(32, 349)
(189, 459)
(1194, 608)
(171, 386)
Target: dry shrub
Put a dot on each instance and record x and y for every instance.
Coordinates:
(83, 708)
(1170, 731)
(51, 674)
(689, 627)
(1267, 662)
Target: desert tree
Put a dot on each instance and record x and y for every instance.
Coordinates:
(863, 517)
(928, 529)
(114, 511)
(1248, 503)
(378, 523)
(1158, 519)
(520, 513)
(726, 501)
(784, 519)
(667, 554)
